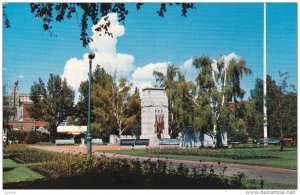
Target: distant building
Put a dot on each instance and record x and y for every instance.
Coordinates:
(73, 130)
(22, 120)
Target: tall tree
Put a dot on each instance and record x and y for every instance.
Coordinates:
(120, 105)
(282, 107)
(114, 107)
(217, 83)
(282, 110)
(51, 103)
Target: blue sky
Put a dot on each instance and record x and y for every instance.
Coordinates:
(147, 41)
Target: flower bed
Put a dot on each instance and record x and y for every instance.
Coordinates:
(110, 173)
(233, 154)
(74, 171)
(24, 154)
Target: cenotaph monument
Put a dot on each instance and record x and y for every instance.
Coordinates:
(155, 121)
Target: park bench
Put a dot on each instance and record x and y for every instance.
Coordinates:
(142, 142)
(97, 141)
(134, 142)
(64, 142)
(169, 142)
(273, 140)
(234, 144)
(288, 141)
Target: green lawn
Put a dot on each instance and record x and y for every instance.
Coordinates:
(269, 185)
(13, 172)
(283, 159)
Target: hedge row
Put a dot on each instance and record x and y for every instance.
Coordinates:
(69, 171)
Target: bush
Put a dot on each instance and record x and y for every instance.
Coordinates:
(17, 135)
(43, 137)
(20, 136)
(78, 171)
(32, 137)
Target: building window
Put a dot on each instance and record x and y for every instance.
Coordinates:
(32, 128)
(21, 128)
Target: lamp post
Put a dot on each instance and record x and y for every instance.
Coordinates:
(88, 133)
(15, 88)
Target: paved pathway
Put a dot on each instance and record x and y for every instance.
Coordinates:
(271, 174)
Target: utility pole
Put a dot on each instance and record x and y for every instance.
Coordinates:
(265, 77)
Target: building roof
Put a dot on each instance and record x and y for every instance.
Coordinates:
(71, 129)
(25, 98)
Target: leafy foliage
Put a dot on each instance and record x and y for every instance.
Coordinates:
(90, 12)
(51, 103)
(217, 84)
(281, 107)
(32, 137)
(114, 108)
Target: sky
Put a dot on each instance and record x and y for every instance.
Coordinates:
(147, 42)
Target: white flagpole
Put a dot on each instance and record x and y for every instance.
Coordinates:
(265, 77)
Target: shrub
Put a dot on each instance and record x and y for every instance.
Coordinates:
(43, 137)
(130, 174)
(32, 137)
(20, 135)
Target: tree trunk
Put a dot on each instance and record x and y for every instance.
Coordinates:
(281, 132)
(120, 130)
(281, 139)
(53, 134)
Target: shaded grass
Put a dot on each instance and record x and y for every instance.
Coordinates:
(270, 185)
(283, 159)
(14, 172)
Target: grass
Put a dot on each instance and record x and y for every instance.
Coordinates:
(18, 172)
(270, 185)
(283, 159)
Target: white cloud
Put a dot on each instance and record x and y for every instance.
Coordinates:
(21, 76)
(189, 70)
(226, 58)
(142, 77)
(188, 64)
(104, 47)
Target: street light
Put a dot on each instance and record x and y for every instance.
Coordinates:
(15, 87)
(88, 134)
